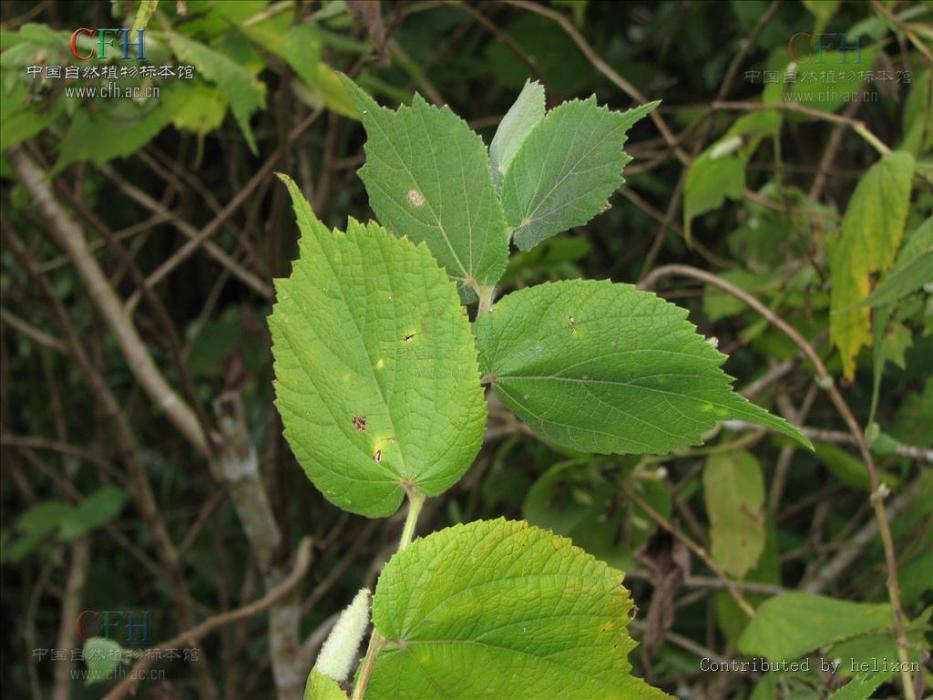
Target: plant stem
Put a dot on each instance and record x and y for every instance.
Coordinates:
(486, 296)
(377, 641)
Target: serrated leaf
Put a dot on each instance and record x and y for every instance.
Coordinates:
(376, 376)
(734, 492)
(791, 625)
(603, 367)
(566, 169)
(320, 687)
(871, 234)
(101, 656)
(244, 93)
(427, 175)
(515, 127)
(499, 609)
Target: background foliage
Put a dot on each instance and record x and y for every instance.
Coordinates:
(144, 466)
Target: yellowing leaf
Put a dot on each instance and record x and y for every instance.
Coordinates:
(734, 491)
(871, 234)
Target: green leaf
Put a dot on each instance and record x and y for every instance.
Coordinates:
(848, 469)
(115, 132)
(734, 491)
(719, 172)
(302, 50)
(862, 686)
(791, 625)
(709, 182)
(43, 518)
(601, 367)
(515, 127)
(244, 93)
(871, 235)
(376, 376)
(320, 687)
(198, 107)
(96, 510)
(824, 80)
(731, 618)
(101, 656)
(823, 11)
(499, 609)
(37, 523)
(21, 120)
(917, 129)
(913, 269)
(428, 178)
(566, 169)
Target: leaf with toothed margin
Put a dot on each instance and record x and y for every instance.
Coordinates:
(428, 178)
(376, 375)
(515, 127)
(602, 367)
(499, 609)
(566, 170)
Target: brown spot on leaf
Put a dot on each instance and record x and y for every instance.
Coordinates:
(408, 337)
(377, 457)
(359, 422)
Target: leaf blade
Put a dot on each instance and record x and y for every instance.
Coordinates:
(544, 192)
(472, 596)
(376, 375)
(515, 127)
(871, 234)
(734, 491)
(428, 177)
(791, 625)
(603, 367)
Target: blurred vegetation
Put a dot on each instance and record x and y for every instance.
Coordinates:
(109, 505)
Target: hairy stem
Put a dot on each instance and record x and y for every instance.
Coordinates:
(377, 641)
